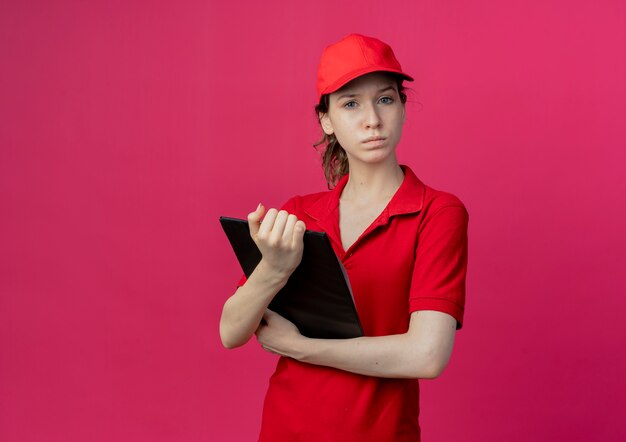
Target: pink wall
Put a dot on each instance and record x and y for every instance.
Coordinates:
(127, 128)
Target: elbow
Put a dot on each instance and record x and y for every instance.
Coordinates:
(433, 370)
(228, 345)
(228, 341)
(436, 366)
(429, 366)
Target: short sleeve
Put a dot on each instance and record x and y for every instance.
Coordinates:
(438, 280)
(289, 206)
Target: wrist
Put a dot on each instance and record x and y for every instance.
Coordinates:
(301, 348)
(271, 274)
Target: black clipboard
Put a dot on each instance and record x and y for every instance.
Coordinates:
(317, 297)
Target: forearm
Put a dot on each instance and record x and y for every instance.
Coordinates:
(243, 311)
(394, 356)
(422, 352)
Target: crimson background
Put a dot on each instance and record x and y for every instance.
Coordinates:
(128, 127)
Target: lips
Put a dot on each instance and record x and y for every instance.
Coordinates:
(367, 140)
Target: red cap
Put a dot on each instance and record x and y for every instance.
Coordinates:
(353, 56)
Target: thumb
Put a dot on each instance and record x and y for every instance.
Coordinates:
(254, 219)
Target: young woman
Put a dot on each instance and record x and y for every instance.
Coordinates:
(403, 244)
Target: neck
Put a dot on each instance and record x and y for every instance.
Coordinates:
(368, 182)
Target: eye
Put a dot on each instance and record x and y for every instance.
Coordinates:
(386, 100)
(350, 104)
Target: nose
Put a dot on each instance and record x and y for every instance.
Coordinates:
(371, 117)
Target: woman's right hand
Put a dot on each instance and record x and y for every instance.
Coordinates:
(279, 238)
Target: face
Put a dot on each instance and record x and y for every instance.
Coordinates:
(366, 115)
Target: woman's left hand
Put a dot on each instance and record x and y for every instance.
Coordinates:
(278, 335)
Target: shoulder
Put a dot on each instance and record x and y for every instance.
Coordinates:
(415, 196)
(299, 203)
(437, 199)
(443, 205)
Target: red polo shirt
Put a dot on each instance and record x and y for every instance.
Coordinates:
(412, 257)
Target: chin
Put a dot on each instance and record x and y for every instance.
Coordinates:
(375, 157)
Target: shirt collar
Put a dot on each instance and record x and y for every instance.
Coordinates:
(409, 198)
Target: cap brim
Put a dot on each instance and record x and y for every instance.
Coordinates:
(342, 81)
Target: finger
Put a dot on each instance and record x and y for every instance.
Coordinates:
(298, 232)
(279, 226)
(269, 314)
(254, 219)
(288, 232)
(267, 224)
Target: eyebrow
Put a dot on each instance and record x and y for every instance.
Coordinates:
(356, 95)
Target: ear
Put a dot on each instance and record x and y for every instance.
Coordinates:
(327, 125)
